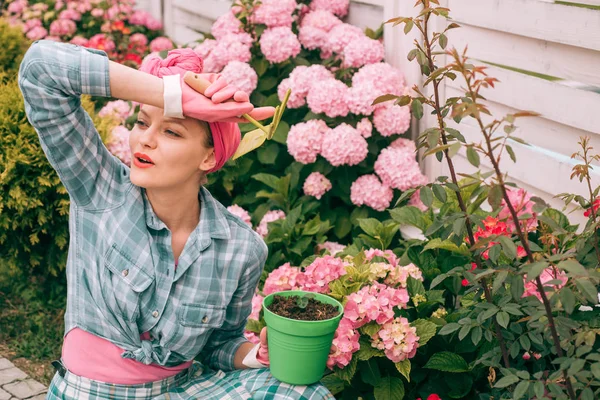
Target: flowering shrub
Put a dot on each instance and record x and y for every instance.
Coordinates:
(381, 325)
(127, 35)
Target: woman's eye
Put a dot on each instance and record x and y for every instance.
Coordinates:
(170, 132)
(140, 122)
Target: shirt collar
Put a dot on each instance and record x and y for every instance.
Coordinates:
(212, 224)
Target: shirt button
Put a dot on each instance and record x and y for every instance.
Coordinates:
(155, 313)
(205, 319)
(125, 272)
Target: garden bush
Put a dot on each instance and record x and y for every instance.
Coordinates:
(14, 46)
(34, 205)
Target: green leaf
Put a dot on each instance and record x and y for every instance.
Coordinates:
(567, 298)
(404, 368)
(506, 381)
(508, 246)
(437, 280)
(268, 154)
(511, 153)
(254, 326)
(473, 156)
(281, 133)
(595, 368)
(587, 289)
(412, 54)
(369, 372)
(425, 330)
(426, 195)
(447, 244)
(347, 373)
(449, 328)
(417, 108)
(409, 215)
(503, 318)
(443, 41)
(384, 98)
(389, 388)
(448, 362)
(495, 196)
(371, 226)
(270, 180)
(534, 270)
(367, 351)
(476, 335)
(573, 267)
(440, 193)
(333, 383)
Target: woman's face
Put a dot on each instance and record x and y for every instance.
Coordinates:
(168, 152)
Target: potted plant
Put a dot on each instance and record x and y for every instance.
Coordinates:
(301, 327)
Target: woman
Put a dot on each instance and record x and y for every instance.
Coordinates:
(159, 273)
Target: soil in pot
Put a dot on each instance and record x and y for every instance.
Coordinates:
(291, 307)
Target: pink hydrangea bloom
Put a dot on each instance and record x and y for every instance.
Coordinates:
(138, 39)
(204, 48)
(547, 275)
(370, 82)
(241, 75)
(161, 43)
(365, 128)
(283, 278)
(300, 81)
(241, 213)
(79, 41)
(337, 7)
(311, 37)
(257, 301)
(343, 145)
(361, 51)
(522, 204)
(144, 18)
(404, 144)
(332, 247)
(398, 339)
(228, 48)
(118, 144)
(399, 169)
(53, 38)
(97, 12)
(398, 276)
(36, 33)
(274, 13)
(279, 44)
(346, 343)
(392, 119)
(270, 216)
(225, 25)
(328, 97)
(30, 24)
(320, 19)
(369, 191)
(119, 108)
(387, 254)
(340, 36)
(70, 14)
(17, 7)
(305, 139)
(374, 303)
(321, 272)
(316, 185)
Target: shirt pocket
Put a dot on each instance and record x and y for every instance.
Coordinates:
(125, 281)
(195, 323)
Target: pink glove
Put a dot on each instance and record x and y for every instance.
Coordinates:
(263, 350)
(213, 106)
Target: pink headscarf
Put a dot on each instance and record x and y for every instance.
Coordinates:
(226, 135)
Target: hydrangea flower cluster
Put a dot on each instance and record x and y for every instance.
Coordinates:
(394, 275)
(270, 216)
(374, 303)
(78, 21)
(274, 13)
(241, 213)
(321, 272)
(399, 169)
(305, 140)
(300, 82)
(118, 109)
(256, 307)
(241, 75)
(369, 191)
(279, 44)
(397, 339)
(346, 343)
(331, 247)
(316, 185)
(118, 144)
(344, 145)
(283, 278)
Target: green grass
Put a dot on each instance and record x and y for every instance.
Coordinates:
(575, 4)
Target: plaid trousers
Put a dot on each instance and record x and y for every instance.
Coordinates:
(196, 383)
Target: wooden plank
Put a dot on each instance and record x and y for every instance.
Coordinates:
(542, 20)
(556, 102)
(210, 9)
(539, 131)
(554, 59)
(535, 166)
(365, 14)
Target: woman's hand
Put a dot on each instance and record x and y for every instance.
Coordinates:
(221, 102)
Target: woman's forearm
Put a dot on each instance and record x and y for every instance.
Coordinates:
(240, 354)
(130, 84)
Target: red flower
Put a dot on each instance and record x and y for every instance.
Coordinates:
(133, 58)
(434, 397)
(465, 282)
(596, 205)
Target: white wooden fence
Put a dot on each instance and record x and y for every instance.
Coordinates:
(541, 36)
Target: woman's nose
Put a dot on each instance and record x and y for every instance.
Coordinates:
(148, 138)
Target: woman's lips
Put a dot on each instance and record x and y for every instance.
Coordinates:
(146, 163)
(140, 164)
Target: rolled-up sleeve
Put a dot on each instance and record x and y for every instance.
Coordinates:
(52, 78)
(219, 351)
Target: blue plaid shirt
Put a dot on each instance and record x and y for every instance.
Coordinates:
(121, 272)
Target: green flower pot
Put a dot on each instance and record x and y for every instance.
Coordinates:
(298, 350)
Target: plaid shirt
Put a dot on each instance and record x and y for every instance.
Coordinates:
(120, 269)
